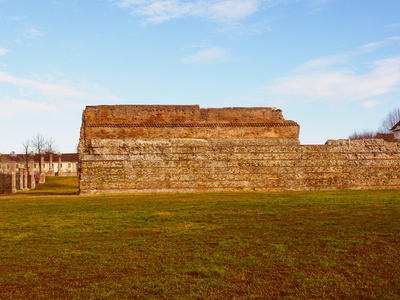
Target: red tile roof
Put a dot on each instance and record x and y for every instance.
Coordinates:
(70, 157)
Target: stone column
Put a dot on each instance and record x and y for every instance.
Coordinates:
(32, 184)
(51, 162)
(42, 178)
(59, 165)
(13, 171)
(51, 169)
(25, 179)
(41, 164)
(21, 178)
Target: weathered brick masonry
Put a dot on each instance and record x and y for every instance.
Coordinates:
(129, 148)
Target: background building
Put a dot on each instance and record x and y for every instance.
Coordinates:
(64, 164)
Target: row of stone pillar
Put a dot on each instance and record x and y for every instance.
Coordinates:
(51, 170)
(42, 175)
(26, 177)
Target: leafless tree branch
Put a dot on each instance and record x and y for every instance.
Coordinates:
(366, 134)
(391, 119)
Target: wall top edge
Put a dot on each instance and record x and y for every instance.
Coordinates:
(171, 114)
(220, 124)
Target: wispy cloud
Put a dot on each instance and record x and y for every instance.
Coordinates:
(47, 94)
(3, 51)
(371, 47)
(29, 34)
(233, 9)
(32, 33)
(393, 26)
(46, 89)
(340, 84)
(370, 103)
(335, 79)
(158, 11)
(9, 107)
(211, 54)
(318, 5)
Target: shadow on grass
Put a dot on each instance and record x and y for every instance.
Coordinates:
(38, 193)
(55, 186)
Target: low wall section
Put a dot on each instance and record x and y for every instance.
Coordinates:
(197, 165)
(5, 183)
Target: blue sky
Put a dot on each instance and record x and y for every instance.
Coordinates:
(333, 66)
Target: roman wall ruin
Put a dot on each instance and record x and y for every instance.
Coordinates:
(152, 148)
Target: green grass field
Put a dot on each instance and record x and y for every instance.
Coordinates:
(285, 245)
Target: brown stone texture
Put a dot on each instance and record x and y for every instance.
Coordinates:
(13, 172)
(32, 182)
(6, 183)
(191, 165)
(183, 121)
(112, 162)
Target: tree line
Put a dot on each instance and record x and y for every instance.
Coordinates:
(38, 145)
(388, 123)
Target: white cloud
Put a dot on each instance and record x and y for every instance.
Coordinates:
(371, 47)
(160, 11)
(336, 79)
(46, 89)
(322, 63)
(43, 96)
(32, 33)
(157, 11)
(3, 51)
(339, 83)
(317, 6)
(11, 107)
(233, 9)
(370, 104)
(212, 54)
(393, 26)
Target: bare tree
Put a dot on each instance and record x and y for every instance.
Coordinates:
(51, 146)
(39, 144)
(27, 153)
(391, 119)
(366, 134)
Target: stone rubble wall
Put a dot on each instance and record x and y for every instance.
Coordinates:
(5, 183)
(199, 165)
(178, 114)
(183, 121)
(16, 179)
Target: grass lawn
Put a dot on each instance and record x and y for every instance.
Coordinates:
(290, 245)
(56, 186)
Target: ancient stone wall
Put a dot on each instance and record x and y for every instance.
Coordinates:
(190, 165)
(112, 162)
(5, 183)
(183, 121)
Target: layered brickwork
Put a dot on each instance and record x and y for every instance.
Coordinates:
(191, 165)
(183, 121)
(5, 183)
(127, 149)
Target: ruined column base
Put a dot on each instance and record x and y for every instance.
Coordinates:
(42, 178)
